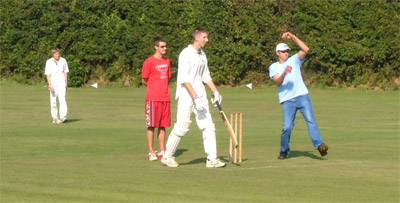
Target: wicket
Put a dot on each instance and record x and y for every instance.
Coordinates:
(236, 122)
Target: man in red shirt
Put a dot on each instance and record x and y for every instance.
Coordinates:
(156, 71)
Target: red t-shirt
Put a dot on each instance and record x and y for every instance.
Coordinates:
(158, 71)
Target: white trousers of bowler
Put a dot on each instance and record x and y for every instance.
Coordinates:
(204, 122)
(59, 92)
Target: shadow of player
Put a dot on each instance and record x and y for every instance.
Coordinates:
(180, 152)
(195, 161)
(71, 120)
(294, 154)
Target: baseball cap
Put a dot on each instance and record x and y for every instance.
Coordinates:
(282, 47)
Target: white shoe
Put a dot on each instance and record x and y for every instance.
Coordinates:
(215, 163)
(56, 121)
(170, 162)
(152, 156)
(63, 120)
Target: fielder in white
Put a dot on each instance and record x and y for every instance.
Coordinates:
(191, 95)
(56, 72)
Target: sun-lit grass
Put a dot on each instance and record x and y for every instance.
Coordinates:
(100, 154)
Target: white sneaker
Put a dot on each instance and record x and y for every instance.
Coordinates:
(215, 163)
(170, 162)
(63, 120)
(56, 121)
(152, 156)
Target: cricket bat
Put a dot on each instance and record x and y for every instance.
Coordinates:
(228, 125)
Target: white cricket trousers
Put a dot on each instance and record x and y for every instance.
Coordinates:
(182, 125)
(59, 92)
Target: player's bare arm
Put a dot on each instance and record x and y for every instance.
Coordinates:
(144, 81)
(303, 47)
(278, 79)
(198, 102)
(49, 83)
(66, 80)
(190, 89)
(212, 86)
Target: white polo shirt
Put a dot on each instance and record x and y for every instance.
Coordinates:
(56, 71)
(193, 68)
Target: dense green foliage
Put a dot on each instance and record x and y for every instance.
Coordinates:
(352, 43)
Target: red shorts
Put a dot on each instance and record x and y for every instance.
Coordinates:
(158, 114)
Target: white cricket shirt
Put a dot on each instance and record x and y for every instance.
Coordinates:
(193, 68)
(56, 71)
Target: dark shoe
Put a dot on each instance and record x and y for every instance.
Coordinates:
(282, 155)
(323, 148)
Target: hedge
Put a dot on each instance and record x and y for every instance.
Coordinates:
(353, 43)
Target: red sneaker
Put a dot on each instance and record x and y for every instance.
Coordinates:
(160, 155)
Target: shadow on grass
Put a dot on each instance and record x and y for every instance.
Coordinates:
(227, 160)
(203, 160)
(196, 161)
(71, 120)
(294, 154)
(180, 152)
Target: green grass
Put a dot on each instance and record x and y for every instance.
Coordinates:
(100, 155)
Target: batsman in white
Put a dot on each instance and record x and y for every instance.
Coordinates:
(56, 72)
(191, 95)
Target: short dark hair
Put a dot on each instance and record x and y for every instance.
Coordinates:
(157, 40)
(198, 30)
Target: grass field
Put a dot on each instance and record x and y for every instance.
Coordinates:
(100, 154)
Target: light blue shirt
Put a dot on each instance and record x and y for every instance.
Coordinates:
(293, 84)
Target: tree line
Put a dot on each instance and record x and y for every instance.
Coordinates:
(352, 43)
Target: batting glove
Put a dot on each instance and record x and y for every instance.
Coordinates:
(217, 98)
(199, 104)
